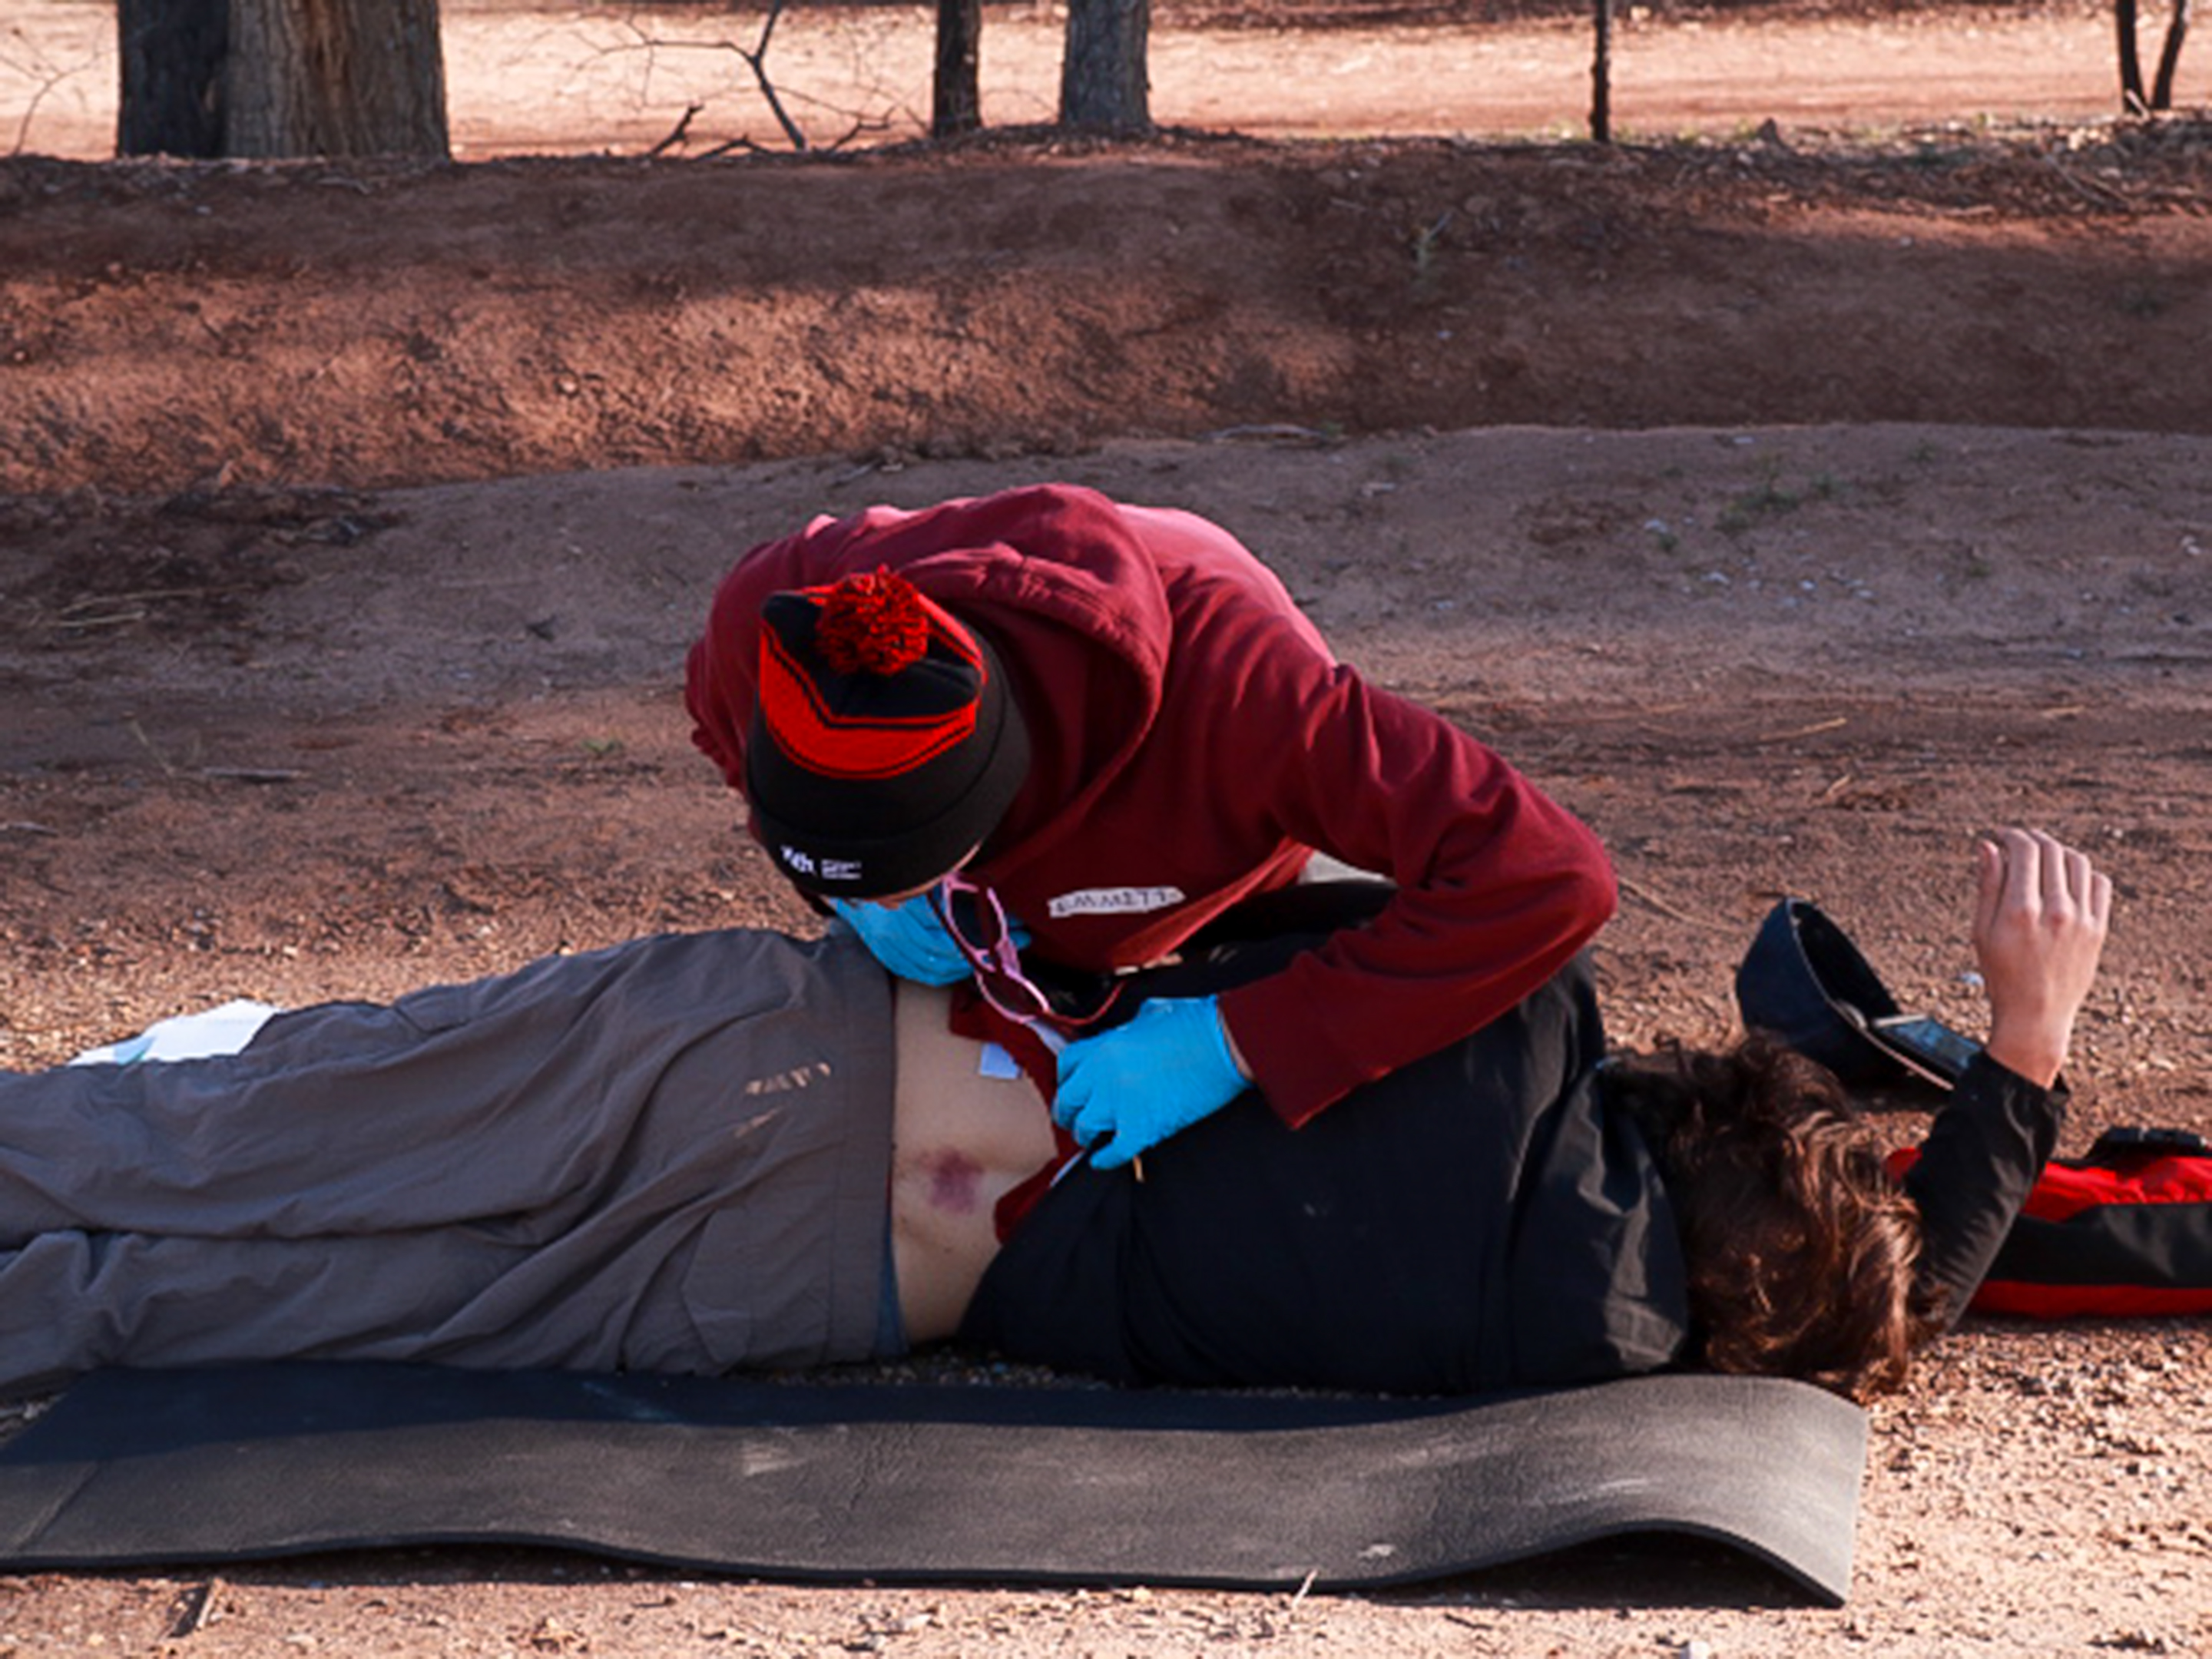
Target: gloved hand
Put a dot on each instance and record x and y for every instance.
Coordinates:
(1130, 1088)
(906, 937)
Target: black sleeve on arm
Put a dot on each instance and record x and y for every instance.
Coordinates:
(1983, 1154)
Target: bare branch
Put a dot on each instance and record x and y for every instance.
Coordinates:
(779, 101)
(756, 60)
(677, 135)
(46, 77)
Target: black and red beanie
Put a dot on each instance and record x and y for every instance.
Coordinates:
(885, 747)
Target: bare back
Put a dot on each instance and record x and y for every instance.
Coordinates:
(960, 1139)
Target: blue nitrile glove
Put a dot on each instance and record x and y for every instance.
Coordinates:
(1130, 1088)
(906, 937)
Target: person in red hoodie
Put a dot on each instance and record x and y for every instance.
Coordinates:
(1046, 721)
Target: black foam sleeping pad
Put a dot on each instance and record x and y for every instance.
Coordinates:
(895, 1483)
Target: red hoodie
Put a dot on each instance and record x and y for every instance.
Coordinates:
(1192, 741)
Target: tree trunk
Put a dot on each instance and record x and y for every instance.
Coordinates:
(1104, 85)
(171, 54)
(335, 77)
(2131, 83)
(2169, 59)
(1600, 124)
(956, 101)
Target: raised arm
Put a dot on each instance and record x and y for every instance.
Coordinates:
(2041, 911)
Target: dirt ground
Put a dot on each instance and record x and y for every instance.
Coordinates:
(1792, 506)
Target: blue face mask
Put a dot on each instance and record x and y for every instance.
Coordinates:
(906, 937)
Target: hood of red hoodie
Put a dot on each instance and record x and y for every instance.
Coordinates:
(1053, 573)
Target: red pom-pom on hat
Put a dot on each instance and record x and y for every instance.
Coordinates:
(876, 624)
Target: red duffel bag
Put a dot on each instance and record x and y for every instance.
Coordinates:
(2127, 1229)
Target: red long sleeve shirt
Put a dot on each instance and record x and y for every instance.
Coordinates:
(1194, 740)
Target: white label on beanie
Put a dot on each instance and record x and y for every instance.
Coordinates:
(1113, 901)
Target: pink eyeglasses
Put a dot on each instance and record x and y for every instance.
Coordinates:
(981, 929)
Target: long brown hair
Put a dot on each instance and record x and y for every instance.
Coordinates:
(1800, 1247)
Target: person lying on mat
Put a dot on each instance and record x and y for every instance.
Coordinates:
(1045, 719)
(674, 1155)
